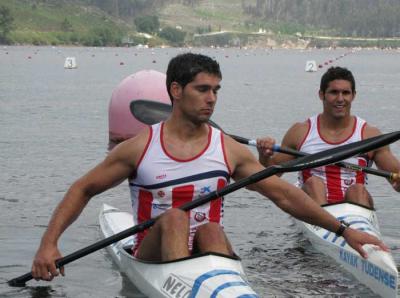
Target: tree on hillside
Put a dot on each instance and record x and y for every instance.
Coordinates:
(173, 35)
(147, 24)
(66, 25)
(369, 18)
(127, 8)
(6, 23)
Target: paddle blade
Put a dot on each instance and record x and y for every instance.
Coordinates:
(20, 281)
(150, 112)
(339, 153)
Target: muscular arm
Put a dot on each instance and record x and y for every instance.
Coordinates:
(117, 166)
(383, 157)
(290, 198)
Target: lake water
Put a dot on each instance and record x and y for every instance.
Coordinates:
(54, 127)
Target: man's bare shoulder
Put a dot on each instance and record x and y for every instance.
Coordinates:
(370, 131)
(241, 160)
(299, 127)
(236, 153)
(132, 148)
(296, 134)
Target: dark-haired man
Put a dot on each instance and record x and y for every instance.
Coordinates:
(335, 126)
(177, 161)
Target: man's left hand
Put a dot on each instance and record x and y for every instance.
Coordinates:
(396, 181)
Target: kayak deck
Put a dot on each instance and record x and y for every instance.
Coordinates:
(203, 275)
(378, 271)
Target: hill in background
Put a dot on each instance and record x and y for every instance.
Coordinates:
(266, 23)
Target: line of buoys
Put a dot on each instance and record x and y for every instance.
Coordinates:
(311, 65)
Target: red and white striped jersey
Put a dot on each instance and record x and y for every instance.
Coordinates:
(337, 180)
(164, 182)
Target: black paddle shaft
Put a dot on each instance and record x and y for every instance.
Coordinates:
(302, 163)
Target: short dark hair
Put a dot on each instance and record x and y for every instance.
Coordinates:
(337, 73)
(184, 67)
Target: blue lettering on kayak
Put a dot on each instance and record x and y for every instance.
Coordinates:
(379, 274)
(349, 258)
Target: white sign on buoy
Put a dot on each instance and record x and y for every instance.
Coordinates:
(70, 63)
(311, 66)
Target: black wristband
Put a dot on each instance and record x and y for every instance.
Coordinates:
(342, 228)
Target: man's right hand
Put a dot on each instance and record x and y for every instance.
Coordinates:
(44, 267)
(265, 149)
(356, 239)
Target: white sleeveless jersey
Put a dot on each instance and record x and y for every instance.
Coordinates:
(337, 180)
(164, 182)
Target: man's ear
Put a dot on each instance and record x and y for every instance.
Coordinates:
(176, 90)
(321, 94)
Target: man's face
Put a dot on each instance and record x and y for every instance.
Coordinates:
(198, 98)
(337, 98)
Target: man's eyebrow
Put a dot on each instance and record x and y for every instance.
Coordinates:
(217, 87)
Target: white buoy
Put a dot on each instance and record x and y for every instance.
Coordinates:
(311, 66)
(70, 63)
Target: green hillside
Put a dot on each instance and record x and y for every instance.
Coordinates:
(266, 23)
(65, 23)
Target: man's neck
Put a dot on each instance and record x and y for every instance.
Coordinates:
(336, 129)
(332, 123)
(184, 129)
(183, 139)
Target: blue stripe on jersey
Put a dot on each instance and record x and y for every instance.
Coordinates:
(187, 179)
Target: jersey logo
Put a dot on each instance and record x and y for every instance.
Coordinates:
(200, 216)
(348, 182)
(161, 193)
(205, 189)
(162, 176)
(161, 206)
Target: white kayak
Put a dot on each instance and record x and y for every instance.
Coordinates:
(378, 271)
(206, 275)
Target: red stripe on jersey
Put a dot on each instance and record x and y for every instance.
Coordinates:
(360, 176)
(333, 184)
(306, 174)
(216, 205)
(224, 152)
(145, 200)
(182, 195)
(306, 135)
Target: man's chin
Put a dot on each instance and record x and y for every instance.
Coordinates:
(201, 120)
(339, 116)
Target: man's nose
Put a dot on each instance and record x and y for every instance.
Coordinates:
(341, 95)
(211, 96)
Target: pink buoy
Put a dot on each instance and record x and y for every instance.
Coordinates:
(144, 84)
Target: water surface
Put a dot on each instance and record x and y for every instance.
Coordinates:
(54, 127)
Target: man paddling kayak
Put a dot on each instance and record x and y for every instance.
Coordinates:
(174, 162)
(335, 126)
